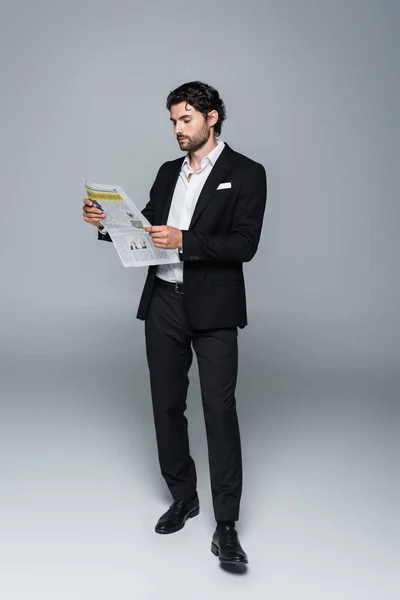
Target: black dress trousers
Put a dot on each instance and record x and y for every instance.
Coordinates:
(169, 342)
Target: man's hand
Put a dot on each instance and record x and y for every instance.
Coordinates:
(166, 237)
(91, 214)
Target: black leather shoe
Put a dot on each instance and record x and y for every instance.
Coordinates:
(177, 514)
(225, 544)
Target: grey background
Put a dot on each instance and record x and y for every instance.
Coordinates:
(312, 92)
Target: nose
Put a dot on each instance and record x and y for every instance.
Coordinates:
(178, 129)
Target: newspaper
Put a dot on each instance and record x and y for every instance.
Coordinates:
(125, 224)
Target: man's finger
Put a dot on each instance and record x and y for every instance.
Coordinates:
(156, 228)
(92, 208)
(91, 219)
(87, 202)
(93, 211)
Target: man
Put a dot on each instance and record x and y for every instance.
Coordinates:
(209, 207)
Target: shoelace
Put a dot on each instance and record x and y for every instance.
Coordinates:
(176, 507)
(229, 537)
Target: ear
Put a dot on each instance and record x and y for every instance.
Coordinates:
(212, 117)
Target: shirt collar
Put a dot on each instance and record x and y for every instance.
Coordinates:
(211, 157)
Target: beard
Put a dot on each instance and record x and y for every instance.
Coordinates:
(194, 143)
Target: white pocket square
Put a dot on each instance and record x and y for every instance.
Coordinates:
(224, 186)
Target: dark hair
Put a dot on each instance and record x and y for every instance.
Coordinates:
(202, 97)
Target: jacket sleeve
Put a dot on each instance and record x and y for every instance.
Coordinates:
(104, 237)
(240, 245)
(147, 212)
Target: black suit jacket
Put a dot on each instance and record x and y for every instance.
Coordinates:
(224, 233)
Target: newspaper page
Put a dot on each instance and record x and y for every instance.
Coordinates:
(125, 224)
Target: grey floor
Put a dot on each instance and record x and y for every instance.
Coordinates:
(81, 490)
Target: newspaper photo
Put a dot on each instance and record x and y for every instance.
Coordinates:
(125, 224)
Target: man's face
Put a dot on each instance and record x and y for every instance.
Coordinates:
(190, 127)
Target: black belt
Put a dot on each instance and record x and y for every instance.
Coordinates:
(172, 287)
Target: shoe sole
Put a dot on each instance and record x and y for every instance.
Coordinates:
(235, 561)
(190, 515)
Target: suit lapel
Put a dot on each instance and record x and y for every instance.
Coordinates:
(218, 173)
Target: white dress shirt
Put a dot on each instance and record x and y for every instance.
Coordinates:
(184, 200)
